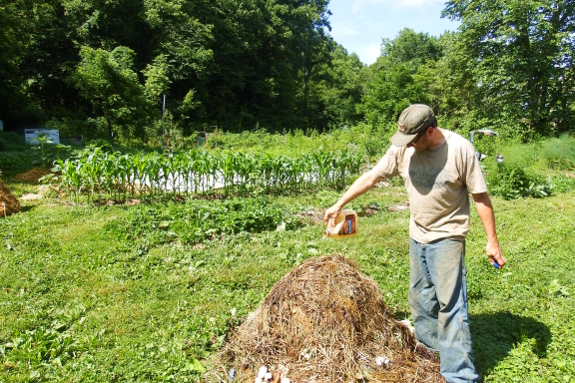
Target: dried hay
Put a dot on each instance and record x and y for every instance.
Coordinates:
(399, 207)
(324, 322)
(31, 197)
(32, 176)
(8, 203)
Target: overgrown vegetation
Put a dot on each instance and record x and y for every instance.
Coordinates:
(147, 293)
(512, 182)
(200, 220)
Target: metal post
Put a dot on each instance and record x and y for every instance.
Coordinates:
(163, 127)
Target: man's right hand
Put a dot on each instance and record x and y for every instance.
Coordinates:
(332, 212)
(360, 186)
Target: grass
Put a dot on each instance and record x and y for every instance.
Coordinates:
(78, 303)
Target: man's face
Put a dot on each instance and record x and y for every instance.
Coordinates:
(419, 143)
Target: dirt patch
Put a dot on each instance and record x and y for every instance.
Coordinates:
(32, 176)
(30, 197)
(8, 203)
(112, 202)
(316, 216)
(368, 211)
(324, 322)
(399, 207)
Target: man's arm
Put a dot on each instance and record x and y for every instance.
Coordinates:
(360, 186)
(485, 211)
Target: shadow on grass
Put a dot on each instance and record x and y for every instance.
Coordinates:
(27, 208)
(495, 335)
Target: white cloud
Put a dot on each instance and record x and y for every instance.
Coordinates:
(344, 29)
(370, 53)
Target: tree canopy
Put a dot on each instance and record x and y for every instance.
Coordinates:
(99, 67)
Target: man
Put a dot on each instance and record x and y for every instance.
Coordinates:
(438, 167)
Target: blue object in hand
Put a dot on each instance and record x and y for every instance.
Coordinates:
(496, 265)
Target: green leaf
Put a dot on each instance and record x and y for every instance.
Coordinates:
(198, 366)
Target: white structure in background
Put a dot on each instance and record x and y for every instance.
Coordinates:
(1, 126)
(31, 135)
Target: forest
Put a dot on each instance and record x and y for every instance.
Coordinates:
(99, 68)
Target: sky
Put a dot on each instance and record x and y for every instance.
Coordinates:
(360, 25)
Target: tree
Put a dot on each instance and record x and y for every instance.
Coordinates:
(520, 56)
(336, 91)
(401, 76)
(109, 83)
(11, 81)
(237, 64)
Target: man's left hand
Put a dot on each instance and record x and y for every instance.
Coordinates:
(494, 253)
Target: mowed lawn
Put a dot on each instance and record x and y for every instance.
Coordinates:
(80, 302)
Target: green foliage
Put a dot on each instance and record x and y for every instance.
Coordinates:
(563, 184)
(18, 156)
(12, 106)
(520, 55)
(157, 78)
(220, 63)
(559, 153)
(13, 163)
(115, 175)
(511, 182)
(42, 346)
(201, 220)
(12, 142)
(362, 139)
(96, 68)
(335, 91)
(107, 80)
(401, 76)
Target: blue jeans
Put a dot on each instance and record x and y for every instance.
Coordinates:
(438, 302)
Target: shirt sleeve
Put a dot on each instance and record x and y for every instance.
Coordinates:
(387, 167)
(473, 175)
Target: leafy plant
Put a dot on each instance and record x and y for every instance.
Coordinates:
(200, 220)
(513, 182)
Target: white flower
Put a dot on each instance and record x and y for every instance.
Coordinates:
(262, 373)
(381, 360)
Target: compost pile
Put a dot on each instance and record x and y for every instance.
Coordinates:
(324, 322)
(32, 176)
(8, 203)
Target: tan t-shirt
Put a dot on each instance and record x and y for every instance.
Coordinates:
(437, 182)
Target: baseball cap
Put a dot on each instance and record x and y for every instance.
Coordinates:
(414, 119)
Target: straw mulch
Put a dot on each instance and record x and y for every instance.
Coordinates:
(324, 322)
(32, 176)
(8, 203)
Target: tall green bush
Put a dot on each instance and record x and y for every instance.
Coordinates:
(512, 182)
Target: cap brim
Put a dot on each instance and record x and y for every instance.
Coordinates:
(400, 139)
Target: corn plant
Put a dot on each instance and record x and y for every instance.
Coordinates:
(118, 175)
